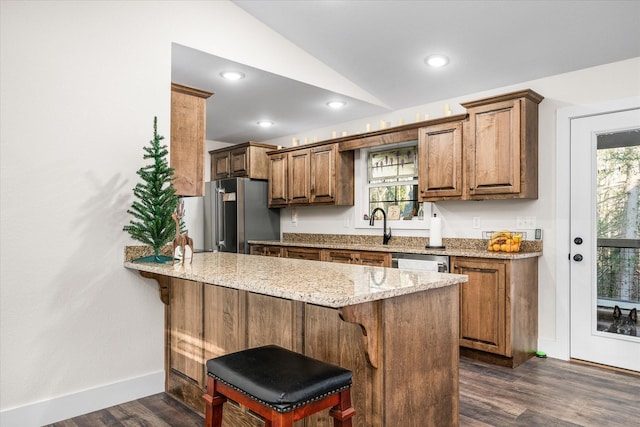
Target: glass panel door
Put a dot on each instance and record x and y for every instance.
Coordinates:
(605, 186)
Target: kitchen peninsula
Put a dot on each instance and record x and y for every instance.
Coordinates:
(397, 330)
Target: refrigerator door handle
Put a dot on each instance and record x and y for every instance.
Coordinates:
(220, 216)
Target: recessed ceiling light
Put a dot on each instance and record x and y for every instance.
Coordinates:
(232, 75)
(265, 123)
(336, 105)
(436, 61)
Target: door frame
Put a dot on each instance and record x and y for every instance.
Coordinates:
(560, 348)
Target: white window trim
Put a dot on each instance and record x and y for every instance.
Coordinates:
(362, 205)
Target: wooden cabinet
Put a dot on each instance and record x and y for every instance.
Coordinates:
(318, 175)
(243, 160)
(440, 162)
(299, 178)
(498, 309)
(379, 259)
(187, 145)
(312, 254)
(266, 250)
(502, 146)
(278, 172)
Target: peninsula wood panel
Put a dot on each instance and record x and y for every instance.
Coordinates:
(272, 320)
(186, 351)
(421, 380)
(370, 339)
(329, 338)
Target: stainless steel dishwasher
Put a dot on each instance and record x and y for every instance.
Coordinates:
(439, 263)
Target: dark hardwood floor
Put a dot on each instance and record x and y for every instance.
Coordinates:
(541, 392)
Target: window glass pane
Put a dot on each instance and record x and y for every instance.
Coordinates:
(399, 164)
(404, 196)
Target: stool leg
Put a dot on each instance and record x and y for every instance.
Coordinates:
(213, 405)
(343, 412)
(280, 420)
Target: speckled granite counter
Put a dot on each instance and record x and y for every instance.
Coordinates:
(453, 246)
(330, 285)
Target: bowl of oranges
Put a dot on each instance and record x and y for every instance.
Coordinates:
(505, 241)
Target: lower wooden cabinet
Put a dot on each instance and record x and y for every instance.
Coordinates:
(498, 309)
(379, 259)
(302, 253)
(266, 250)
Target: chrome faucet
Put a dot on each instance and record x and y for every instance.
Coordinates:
(385, 237)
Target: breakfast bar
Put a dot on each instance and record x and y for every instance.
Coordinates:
(397, 330)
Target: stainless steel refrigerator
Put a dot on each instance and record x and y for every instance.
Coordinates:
(235, 211)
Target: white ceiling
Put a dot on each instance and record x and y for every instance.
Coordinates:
(380, 46)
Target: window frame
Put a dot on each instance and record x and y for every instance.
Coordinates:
(362, 196)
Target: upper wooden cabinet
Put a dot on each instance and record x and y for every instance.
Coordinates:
(440, 170)
(317, 175)
(501, 148)
(243, 160)
(187, 145)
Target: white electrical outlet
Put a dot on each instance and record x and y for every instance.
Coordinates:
(525, 222)
(476, 222)
(294, 216)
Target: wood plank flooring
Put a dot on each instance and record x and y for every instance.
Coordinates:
(540, 392)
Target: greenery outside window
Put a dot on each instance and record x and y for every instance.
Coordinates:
(392, 179)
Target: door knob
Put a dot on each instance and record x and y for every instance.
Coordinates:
(577, 257)
(577, 240)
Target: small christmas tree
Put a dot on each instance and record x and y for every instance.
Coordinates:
(157, 200)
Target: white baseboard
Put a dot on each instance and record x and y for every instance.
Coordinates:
(69, 406)
(554, 349)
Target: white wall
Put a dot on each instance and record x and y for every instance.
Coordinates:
(81, 83)
(609, 82)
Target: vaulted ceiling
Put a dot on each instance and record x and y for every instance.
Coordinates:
(380, 46)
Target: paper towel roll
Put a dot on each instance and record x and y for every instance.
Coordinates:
(435, 232)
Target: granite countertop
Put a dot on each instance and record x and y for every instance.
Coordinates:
(453, 247)
(329, 284)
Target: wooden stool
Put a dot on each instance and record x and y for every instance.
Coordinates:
(280, 385)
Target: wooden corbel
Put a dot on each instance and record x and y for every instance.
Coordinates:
(163, 284)
(369, 317)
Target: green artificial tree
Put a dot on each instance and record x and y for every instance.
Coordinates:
(156, 201)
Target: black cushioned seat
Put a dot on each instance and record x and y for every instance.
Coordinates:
(279, 378)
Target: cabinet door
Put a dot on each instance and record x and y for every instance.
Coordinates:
(278, 180)
(186, 352)
(239, 160)
(345, 257)
(379, 259)
(220, 167)
(494, 149)
(440, 162)
(299, 176)
(302, 253)
(188, 123)
(266, 250)
(323, 174)
(483, 313)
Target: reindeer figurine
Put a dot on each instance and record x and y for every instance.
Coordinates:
(182, 240)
